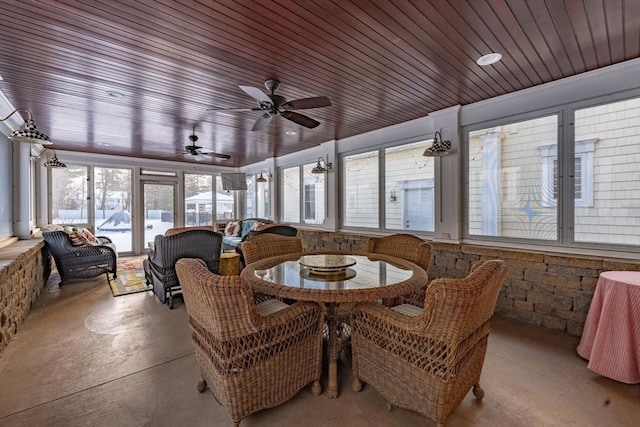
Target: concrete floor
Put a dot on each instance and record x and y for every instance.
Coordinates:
(85, 358)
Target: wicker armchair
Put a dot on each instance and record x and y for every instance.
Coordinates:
(81, 261)
(159, 267)
(252, 357)
(407, 247)
(268, 245)
(279, 229)
(436, 351)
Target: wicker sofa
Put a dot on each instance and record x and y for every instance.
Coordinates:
(81, 261)
(229, 242)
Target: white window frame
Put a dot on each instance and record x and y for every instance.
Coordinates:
(584, 152)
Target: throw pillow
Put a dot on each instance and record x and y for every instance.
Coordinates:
(257, 224)
(232, 229)
(87, 237)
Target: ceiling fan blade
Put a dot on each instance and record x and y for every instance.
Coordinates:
(300, 119)
(301, 104)
(262, 123)
(233, 109)
(257, 94)
(209, 152)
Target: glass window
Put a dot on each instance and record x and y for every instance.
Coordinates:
(361, 178)
(69, 195)
(198, 199)
(257, 197)
(607, 206)
(291, 194)
(112, 205)
(225, 202)
(409, 197)
(313, 195)
(511, 185)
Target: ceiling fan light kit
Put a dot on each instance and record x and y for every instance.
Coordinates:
(199, 153)
(271, 105)
(29, 132)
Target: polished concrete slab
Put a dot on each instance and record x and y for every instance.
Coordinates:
(85, 358)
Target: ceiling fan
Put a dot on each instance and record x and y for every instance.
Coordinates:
(200, 153)
(276, 105)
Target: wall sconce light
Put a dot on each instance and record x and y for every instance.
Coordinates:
(29, 132)
(261, 178)
(438, 148)
(54, 163)
(321, 169)
(392, 196)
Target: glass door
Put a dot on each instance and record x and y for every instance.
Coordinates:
(158, 208)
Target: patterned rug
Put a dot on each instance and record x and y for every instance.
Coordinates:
(130, 278)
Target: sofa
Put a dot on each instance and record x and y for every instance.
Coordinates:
(236, 231)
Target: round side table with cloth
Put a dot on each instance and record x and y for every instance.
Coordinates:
(611, 335)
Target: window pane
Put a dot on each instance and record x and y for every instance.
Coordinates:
(198, 199)
(291, 195)
(112, 206)
(409, 188)
(609, 173)
(225, 202)
(313, 196)
(257, 197)
(511, 180)
(69, 195)
(361, 190)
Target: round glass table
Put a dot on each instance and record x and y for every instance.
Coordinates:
(334, 280)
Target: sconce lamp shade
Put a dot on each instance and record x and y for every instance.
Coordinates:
(319, 168)
(438, 148)
(54, 163)
(261, 178)
(29, 132)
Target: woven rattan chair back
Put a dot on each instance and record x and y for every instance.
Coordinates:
(437, 353)
(407, 247)
(268, 245)
(249, 361)
(403, 246)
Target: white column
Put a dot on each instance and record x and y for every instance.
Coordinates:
(21, 190)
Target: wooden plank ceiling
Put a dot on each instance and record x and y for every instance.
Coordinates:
(380, 62)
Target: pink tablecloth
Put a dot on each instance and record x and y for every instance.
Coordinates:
(611, 335)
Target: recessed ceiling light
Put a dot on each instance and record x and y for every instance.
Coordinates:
(114, 94)
(290, 132)
(489, 59)
(103, 144)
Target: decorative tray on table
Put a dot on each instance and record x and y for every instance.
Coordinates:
(326, 264)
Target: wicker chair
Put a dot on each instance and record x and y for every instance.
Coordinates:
(81, 261)
(279, 229)
(159, 267)
(407, 247)
(252, 357)
(436, 352)
(268, 245)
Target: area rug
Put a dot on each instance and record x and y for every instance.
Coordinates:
(130, 278)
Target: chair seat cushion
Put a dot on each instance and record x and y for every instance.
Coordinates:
(270, 306)
(407, 310)
(231, 241)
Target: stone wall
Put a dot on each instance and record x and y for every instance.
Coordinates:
(23, 274)
(542, 288)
